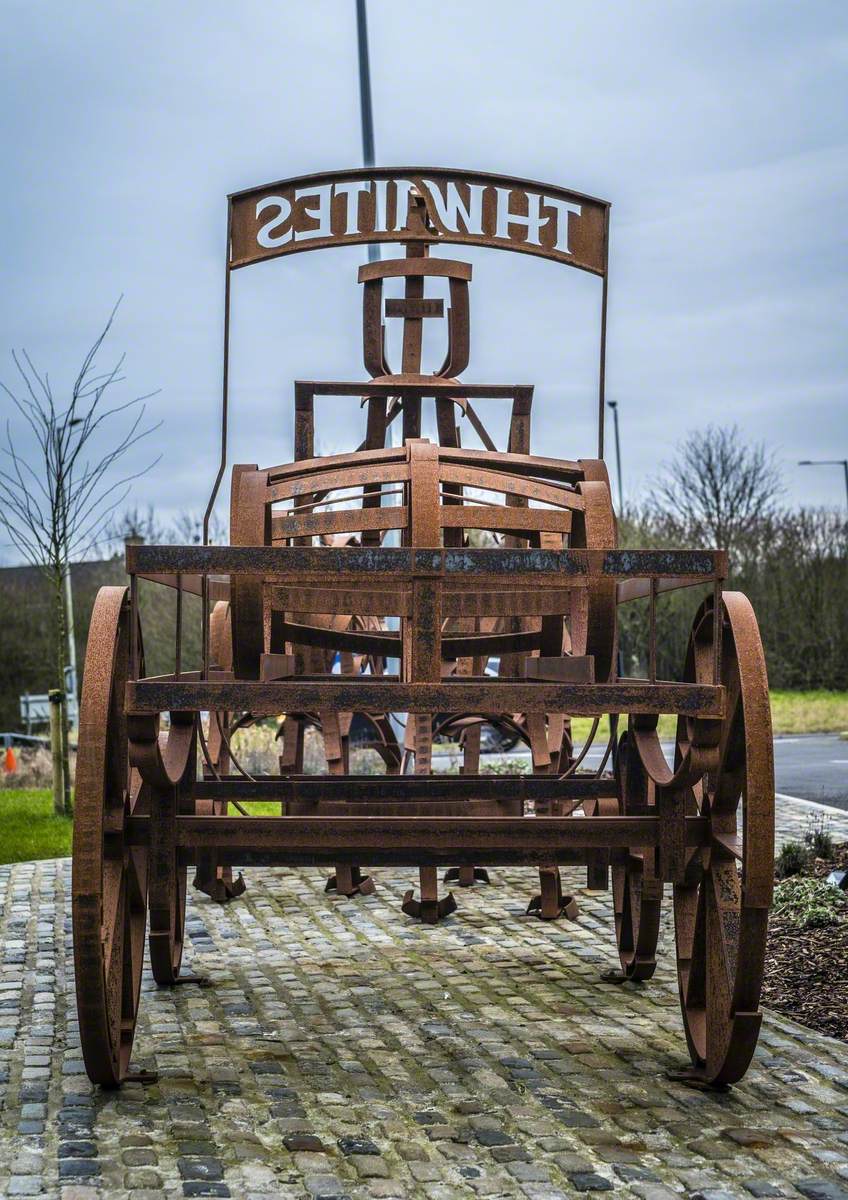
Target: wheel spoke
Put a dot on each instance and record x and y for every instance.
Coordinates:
(136, 868)
(726, 897)
(625, 935)
(730, 778)
(135, 960)
(722, 940)
(112, 898)
(694, 973)
(114, 961)
(634, 891)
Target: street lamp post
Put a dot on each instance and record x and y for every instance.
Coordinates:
(613, 404)
(828, 462)
(366, 111)
(392, 537)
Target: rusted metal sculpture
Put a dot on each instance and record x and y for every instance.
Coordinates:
(310, 580)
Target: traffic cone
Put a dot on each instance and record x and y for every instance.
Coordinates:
(10, 763)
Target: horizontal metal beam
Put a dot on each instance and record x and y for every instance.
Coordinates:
(358, 641)
(421, 385)
(434, 789)
(287, 563)
(411, 841)
(369, 694)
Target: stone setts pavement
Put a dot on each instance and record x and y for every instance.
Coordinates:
(341, 1050)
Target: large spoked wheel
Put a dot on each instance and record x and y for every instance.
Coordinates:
(109, 876)
(721, 908)
(637, 892)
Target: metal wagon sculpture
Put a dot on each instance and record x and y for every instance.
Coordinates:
(356, 588)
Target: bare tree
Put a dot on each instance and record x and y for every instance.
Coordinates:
(145, 525)
(187, 529)
(57, 500)
(717, 490)
(134, 525)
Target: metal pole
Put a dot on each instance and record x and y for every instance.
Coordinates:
(365, 85)
(365, 108)
(55, 697)
(602, 368)
(602, 360)
(225, 404)
(828, 462)
(613, 404)
(225, 384)
(392, 537)
(71, 692)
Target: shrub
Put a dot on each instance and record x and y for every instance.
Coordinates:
(809, 903)
(791, 860)
(818, 839)
(505, 766)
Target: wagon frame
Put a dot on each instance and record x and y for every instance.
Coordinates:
(703, 823)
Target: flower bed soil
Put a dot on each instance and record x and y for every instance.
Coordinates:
(806, 975)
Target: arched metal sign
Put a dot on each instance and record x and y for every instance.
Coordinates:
(373, 205)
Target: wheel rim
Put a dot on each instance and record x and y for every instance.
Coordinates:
(109, 883)
(721, 907)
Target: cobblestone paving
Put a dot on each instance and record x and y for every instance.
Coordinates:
(344, 1051)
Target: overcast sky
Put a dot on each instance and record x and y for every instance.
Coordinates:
(717, 130)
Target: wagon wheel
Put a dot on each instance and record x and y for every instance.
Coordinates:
(721, 908)
(636, 890)
(109, 880)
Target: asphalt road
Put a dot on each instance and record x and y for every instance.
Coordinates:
(809, 767)
(813, 767)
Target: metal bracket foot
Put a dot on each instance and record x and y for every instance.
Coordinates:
(567, 907)
(222, 891)
(616, 977)
(428, 911)
(693, 1077)
(466, 876)
(551, 902)
(349, 881)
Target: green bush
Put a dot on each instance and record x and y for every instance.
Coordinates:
(791, 860)
(809, 903)
(818, 839)
(506, 766)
